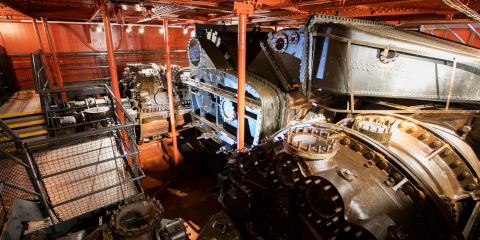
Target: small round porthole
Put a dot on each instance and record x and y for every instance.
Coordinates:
(280, 42)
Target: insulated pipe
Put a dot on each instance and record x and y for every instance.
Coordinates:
(110, 51)
(170, 93)
(242, 27)
(54, 55)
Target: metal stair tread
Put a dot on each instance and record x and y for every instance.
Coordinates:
(25, 121)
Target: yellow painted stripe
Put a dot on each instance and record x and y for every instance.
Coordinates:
(30, 134)
(36, 122)
(10, 149)
(10, 115)
(33, 146)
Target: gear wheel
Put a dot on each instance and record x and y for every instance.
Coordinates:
(227, 109)
(378, 128)
(311, 143)
(148, 214)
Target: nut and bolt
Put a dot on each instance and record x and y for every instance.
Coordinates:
(397, 177)
(370, 155)
(457, 163)
(466, 174)
(345, 141)
(358, 147)
(425, 135)
(383, 165)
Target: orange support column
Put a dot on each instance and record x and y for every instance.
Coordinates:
(110, 51)
(111, 57)
(242, 9)
(52, 52)
(170, 93)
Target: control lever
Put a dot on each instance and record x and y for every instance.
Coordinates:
(226, 150)
(208, 135)
(192, 124)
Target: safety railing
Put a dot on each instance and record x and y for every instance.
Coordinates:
(17, 175)
(72, 175)
(41, 79)
(92, 158)
(99, 109)
(79, 68)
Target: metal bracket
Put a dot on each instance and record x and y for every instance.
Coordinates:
(192, 124)
(242, 8)
(22, 211)
(209, 135)
(226, 150)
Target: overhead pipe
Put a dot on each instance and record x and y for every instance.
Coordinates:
(170, 94)
(59, 79)
(92, 23)
(241, 9)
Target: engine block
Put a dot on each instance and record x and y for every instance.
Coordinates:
(326, 181)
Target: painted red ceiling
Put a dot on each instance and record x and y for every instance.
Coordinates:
(267, 12)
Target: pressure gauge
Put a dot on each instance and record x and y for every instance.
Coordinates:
(293, 38)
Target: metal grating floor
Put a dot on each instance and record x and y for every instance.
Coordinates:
(73, 171)
(21, 103)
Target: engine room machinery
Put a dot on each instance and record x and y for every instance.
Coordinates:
(355, 130)
(146, 87)
(374, 175)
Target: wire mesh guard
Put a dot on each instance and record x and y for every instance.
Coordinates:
(13, 173)
(89, 173)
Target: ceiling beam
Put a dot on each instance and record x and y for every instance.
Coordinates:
(97, 6)
(13, 4)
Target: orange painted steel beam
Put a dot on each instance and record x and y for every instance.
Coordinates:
(170, 93)
(241, 9)
(47, 65)
(110, 51)
(59, 78)
(96, 9)
(111, 58)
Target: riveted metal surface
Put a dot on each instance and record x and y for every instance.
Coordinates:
(408, 74)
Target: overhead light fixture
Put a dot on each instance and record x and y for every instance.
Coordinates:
(162, 30)
(185, 30)
(99, 28)
(142, 29)
(129, 29)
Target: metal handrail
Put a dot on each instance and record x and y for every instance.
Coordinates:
(119, 104)
(3, 183)
(13, 158)
(9, 131)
